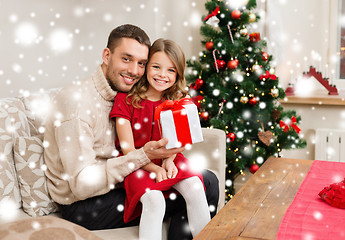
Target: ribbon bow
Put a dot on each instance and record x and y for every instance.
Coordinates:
(213, 13)
(268, 76)
(254, 37)
(292, 124)
(169, 105)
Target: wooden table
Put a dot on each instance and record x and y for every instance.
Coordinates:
(255, 212)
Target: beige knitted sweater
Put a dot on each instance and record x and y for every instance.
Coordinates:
(79, 138)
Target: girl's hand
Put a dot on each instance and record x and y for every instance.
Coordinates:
(170, 167)
(161, 174)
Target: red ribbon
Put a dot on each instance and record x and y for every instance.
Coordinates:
(292, 125)
(254, 37)
(213, 13)
(268, 76)
(180, 120)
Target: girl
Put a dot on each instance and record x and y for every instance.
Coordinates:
(147, 187)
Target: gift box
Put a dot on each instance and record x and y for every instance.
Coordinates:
(179, 122)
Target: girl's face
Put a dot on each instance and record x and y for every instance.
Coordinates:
(161, 74)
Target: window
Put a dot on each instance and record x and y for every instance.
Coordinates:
(341, 39)
(337, 41)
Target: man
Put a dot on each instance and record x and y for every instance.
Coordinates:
(83, 167)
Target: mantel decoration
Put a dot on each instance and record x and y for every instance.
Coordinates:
(331, 88)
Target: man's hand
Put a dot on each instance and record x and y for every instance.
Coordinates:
(169, 165)
(157, 150)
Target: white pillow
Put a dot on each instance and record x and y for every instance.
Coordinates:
(29, 163)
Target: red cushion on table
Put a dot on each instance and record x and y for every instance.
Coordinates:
(308, 216)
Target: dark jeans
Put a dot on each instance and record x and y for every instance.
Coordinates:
(102, 212)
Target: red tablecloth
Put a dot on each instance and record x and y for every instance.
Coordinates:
(309, 217)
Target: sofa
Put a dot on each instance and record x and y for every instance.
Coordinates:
(26, 209)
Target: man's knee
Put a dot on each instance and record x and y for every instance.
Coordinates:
(211, 183)
(210, 180)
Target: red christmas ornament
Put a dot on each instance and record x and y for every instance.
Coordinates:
(231, 136)
(236, 14)
(197, 100)
(265, 56)
(221, 64)
(204, 116)
(232, 64)
(253, 101)
(197, 85)
(254, 37)
(253, 168)
(209, 45)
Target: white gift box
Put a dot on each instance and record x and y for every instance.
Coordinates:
(181, 125)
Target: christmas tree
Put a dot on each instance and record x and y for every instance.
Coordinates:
(236, 89)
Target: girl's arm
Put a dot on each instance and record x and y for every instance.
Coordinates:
(169, 165)
(125, 135)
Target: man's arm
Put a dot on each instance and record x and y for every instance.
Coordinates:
(88, 177)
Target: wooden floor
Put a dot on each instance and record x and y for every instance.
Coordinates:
(256, 210)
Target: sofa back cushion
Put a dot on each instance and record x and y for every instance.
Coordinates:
(30, 167)
(13, 123)
(210, 154)
(38, 106)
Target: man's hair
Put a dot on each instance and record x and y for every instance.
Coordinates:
(127, 31)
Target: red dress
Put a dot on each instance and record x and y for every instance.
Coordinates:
(144, 130)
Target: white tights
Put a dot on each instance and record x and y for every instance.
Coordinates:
(153, 202)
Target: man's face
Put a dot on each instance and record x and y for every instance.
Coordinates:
(126, 65)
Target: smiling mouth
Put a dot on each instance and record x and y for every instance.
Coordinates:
(160, 81)
(127, 79)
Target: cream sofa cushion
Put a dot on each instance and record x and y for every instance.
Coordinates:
(13, 123)
(29, 163)
(38, 107)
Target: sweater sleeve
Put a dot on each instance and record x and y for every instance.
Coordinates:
(88, 177)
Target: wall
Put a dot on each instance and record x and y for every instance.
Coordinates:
(32, 57)
(47, 44)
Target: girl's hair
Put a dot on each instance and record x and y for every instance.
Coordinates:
(176, 91)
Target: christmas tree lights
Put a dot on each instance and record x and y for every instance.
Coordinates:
(236, 89)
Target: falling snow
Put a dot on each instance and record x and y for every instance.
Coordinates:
(51, 48)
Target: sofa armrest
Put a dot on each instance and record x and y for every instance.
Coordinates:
(211, 154)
